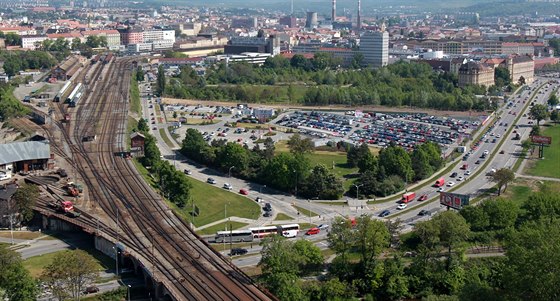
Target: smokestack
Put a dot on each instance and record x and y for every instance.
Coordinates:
(292, 8)
(333, 15)
(359, 21)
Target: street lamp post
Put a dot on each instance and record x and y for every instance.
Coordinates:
(296, 183)
(229, 172)
(128, 291)
(357, 189)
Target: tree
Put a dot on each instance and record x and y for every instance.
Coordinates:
(542, 206)
(143, 126)
(396, 161)
(70, 272)
(533, 259)
(322, 183)
(553, 100)
(395, 281)
(233, 154)
(12, 39)
(501, 213)
(151, 151)
(555, 115)
(310, 255)
(538, 112)
(341, 239)
(160, 83)
(15, 281)
(298, 145)
(372, 237)
(357, 60)
(501, 76)
(535, 131)
(139, 74)
(502, 177)
(476, 217)
(25, 199)
(355, 154)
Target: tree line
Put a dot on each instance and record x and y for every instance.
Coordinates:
(375, 262)
(399, 84)
(393, 168)
(173, 184)
(290, 172)
(15, 61)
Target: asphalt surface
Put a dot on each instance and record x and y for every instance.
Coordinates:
(474, 184)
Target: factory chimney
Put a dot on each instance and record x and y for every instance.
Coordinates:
(359, 21)
(333, 14)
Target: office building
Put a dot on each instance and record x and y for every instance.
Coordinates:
(473, 73)
(374, 45)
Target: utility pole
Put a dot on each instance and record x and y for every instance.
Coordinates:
(117, 244)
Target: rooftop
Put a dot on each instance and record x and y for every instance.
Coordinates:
(22, 151)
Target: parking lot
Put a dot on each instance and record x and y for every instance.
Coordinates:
(378, 129)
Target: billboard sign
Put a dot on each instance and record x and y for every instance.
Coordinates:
(541, 140)
(453, 200)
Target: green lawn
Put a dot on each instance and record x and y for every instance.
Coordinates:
(334, 160)
(35, 265)
(211, 201)
(165, 138)
(134, 95)
(221, 227)
(283, 217)
(305, 212)
(550, 165)
(518, 194)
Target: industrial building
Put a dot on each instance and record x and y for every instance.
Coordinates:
(25, 156)
(238, 45)
(311, 21)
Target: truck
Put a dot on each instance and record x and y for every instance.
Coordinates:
(439, 182)
(408, 197)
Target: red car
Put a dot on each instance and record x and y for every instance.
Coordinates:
(313, 231)
(423, 197)
(243, 191)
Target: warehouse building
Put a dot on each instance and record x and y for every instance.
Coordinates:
(25, 156)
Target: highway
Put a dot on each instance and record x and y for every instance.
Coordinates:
(475, 185)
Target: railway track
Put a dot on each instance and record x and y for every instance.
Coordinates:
(183, 262)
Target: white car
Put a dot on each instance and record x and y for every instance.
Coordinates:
(450, 184)
(290, 233)
(228, 186)
(440, 189)
(460, 179)
(486, 152)
(402, 206)
(323, 226)
(468, 172)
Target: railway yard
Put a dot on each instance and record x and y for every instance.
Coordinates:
(89, 134)
(127, 211)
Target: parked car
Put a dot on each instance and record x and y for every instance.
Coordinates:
(238, 251)
(211, 181)
(243, 191)
(313, 231)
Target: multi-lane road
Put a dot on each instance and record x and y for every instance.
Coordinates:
(507, 121)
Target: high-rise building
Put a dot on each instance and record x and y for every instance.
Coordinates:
(289, 21)
(374, 45)
(311, 21)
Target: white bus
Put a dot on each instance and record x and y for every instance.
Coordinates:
(290, 230)
(234, 236)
